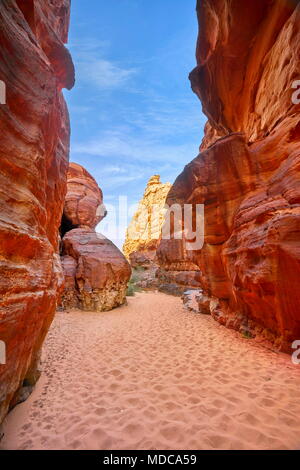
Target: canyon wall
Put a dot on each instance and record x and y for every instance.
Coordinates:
(96, 272)
(144, 230)
(34, 149)
(248, 172)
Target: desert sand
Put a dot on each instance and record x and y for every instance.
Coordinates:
(151, 375)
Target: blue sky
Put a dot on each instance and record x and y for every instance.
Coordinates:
(132, 111)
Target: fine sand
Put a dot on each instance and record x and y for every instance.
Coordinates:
(151, 375)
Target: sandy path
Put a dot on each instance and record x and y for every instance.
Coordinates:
(152, 376)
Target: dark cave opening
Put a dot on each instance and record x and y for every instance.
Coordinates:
(65, 226)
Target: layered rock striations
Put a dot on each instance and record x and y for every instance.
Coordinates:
(84, 200)
(96, 272)
(144, 230)
(34, 148)
(247, 174)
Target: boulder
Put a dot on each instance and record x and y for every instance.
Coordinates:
(96, 272)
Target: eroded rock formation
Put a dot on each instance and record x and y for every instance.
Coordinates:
(144, 230)
(34, 149)
(84, 200)
(96, 272)
(248, 172)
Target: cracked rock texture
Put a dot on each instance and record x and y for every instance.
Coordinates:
(34, 151)
(248, 172)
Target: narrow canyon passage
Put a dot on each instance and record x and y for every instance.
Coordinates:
(151, 375)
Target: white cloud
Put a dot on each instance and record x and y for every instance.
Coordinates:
(78, 109)
(147, 135)
(139, 148)
(93, 66)
(116, 181)
(165, 118)
(104, 74)
(113, 169)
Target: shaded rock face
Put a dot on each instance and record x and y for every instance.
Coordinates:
(144, 230)
(96, 272)
(247, 174)
(34, 149)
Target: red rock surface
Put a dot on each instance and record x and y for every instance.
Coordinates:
(101, 272)
(247, 174)
(34, 148)
(84, 199)
(96, 272)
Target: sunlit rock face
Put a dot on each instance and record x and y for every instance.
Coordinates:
(34, 149)
(96, 272)
(144, 230)
(247, 174)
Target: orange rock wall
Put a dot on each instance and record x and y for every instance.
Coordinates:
(248, 172)
(34, 148)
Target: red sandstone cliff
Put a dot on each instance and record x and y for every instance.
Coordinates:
(96, 272)
(248, 172)
(34, 148)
